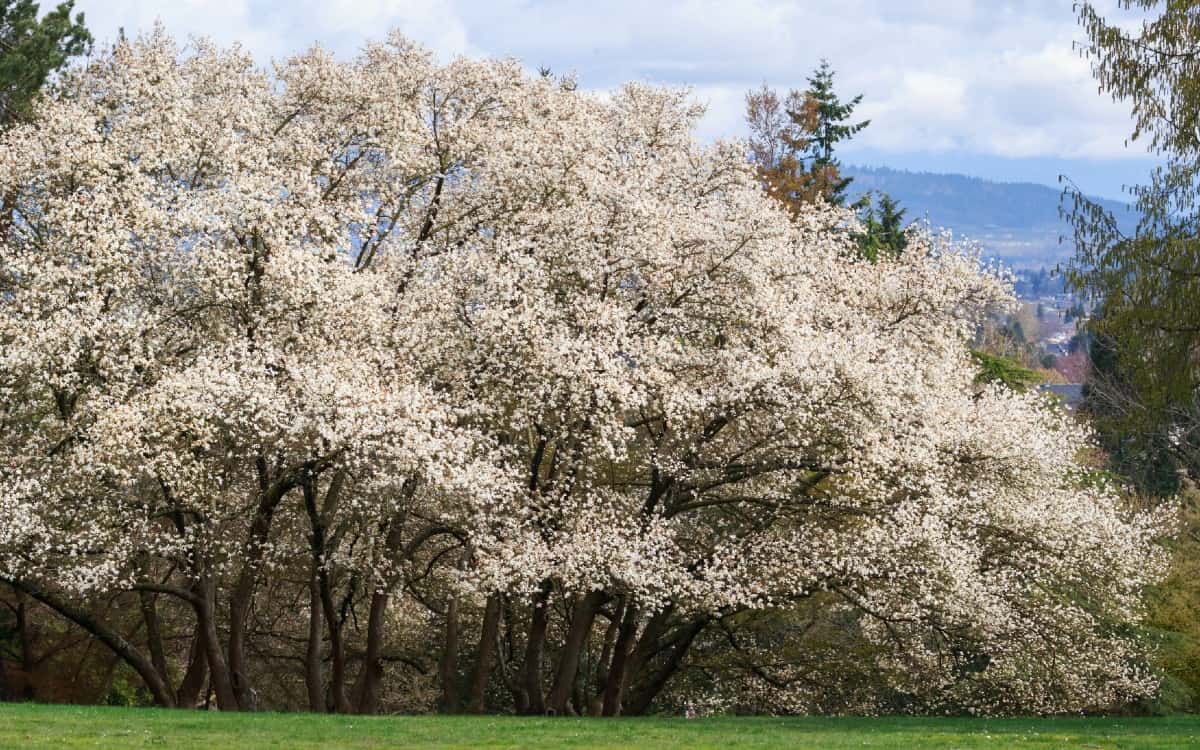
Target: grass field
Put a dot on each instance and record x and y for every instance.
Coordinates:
(69, 727)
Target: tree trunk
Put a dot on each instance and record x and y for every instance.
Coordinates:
(614, 681)
(243, 592)
(337, 649)
(5, 687)
(582, 616)
(448, 667)
(606, 649)
(158, 656)
(239, 609)
(640, 701)
(486, 654)
(192, 683)
(535, 645)
(25, 638)
(366, 692)
(647, 645)
(110, 638)
(504, 657)
(314, 677)
(219, 678)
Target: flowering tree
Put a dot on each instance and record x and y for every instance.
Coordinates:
(391, 359)
(225, 346)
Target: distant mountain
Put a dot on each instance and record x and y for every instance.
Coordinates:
(1017, 222)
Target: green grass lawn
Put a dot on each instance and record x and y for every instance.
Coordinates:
(67, 727)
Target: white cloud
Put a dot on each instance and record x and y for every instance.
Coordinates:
(995, 77)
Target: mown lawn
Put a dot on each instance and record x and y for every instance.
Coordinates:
(66, 727)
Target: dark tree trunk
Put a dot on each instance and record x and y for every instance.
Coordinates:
(25, 638)
(504, 657)
(242, 597)
(239, 609)
(317, 546)
(582, 616)
(614, 681)
(535, 644)
(6, 693)
(219, 678)
(448, 666)
(110, 638)
(154, 641)
(648, 690)
(337, 649)
(648, 644)
(486, 654)
(314, 677)
(192, 683)
(610, 640)
(366, 692)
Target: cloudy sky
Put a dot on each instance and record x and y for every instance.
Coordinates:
(985, 87)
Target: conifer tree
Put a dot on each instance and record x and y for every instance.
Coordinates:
(832, 118)
(793, 139)
(883, 227)
(30, 50)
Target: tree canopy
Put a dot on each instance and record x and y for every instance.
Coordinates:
(1147, 282)
(391, 384)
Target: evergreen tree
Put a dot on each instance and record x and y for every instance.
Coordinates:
(832, 127)
(31, 50)
(997, 368)
(883, 228)
(793, 139)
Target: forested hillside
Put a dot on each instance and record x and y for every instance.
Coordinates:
(1015, 221)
